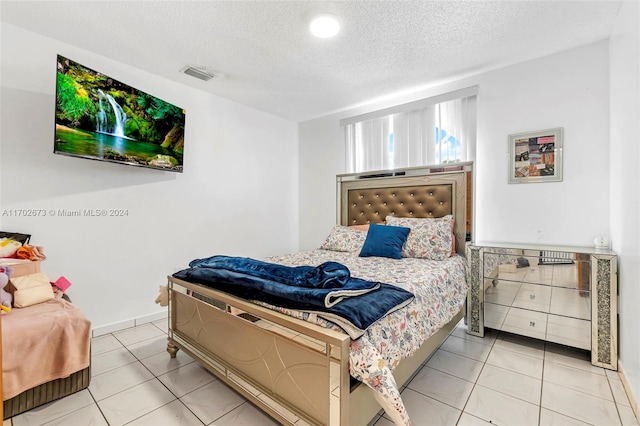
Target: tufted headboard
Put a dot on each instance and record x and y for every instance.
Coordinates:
(427, 192)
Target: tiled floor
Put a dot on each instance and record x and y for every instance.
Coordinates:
(499, 380)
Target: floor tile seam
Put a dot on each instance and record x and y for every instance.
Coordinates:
(509, 395)
(124, 330)
(123, 390)
(145, 357)
(140, 360)
(65, 413)
(464, 407)
(386, 416)
(475, 384)
(233, 409)
(68, 413)
(225, 413)
(612, 400)
(463, 355)
(109, 351)
(488, 342)
(164, 405)
(194, 389)
(628, 404)
(565, 414)
(106, 352)
(544, 358)
(512, 370)
(171, 369)
(99, 408)
(468, 339)
(446, 372)
(93, 376)
(472, 415)
(138, 341)
(166, 321)
(616, 402)
(580, 370)
(164, 335)
(115, 368)
(102, 400)
(500, 347)
(440, 371)
(432, 397)
(580, 392)
(441, 402)
(622, 403)
(415, 373)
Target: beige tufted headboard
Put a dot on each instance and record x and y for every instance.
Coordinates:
(417, 192)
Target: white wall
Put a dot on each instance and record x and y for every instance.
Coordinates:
(569, 90)
(625, 185)
(593, 92)
(229, 200)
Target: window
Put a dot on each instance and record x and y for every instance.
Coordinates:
(430, 131)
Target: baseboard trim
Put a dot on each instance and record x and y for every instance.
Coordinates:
(121, 325)
(632, 398)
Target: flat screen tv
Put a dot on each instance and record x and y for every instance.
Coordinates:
(100, 118)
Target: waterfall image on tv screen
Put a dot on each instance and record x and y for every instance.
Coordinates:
(100, 118)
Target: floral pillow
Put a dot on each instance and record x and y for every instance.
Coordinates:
(344, 238)
(429, 238)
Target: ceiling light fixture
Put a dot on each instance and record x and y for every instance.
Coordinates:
(324, 25)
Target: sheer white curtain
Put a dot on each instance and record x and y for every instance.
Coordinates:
(431, 131)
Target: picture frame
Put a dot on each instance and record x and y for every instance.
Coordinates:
(536, 157)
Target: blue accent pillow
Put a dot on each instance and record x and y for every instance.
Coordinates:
(384, 241)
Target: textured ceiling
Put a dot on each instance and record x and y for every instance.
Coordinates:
(266, 58)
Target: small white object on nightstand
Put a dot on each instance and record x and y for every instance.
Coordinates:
(601, 242)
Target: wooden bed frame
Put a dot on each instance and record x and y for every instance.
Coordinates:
(294, 370)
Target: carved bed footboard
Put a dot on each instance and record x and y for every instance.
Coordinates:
(296, 371)
(291, 369)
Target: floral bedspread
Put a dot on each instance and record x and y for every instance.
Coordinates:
(440, 291)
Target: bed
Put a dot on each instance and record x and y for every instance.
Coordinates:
(28, 381)
(302, 369)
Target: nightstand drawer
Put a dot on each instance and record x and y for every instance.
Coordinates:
(568, 302)
(533, 297)
(527, 323)
(501, 292)
(569, 331)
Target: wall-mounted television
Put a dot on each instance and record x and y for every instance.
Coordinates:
(100, 118)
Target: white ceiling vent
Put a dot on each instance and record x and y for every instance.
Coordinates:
(200, 73)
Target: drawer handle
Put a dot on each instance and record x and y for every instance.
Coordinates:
(532, 323)
(532, 296)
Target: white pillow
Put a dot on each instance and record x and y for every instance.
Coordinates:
(31, 289)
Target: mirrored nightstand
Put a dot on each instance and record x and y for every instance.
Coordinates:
(566, 295)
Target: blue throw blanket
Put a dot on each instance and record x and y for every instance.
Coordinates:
(351, 303)
(326, 275)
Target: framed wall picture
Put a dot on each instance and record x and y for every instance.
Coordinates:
(536, 156)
